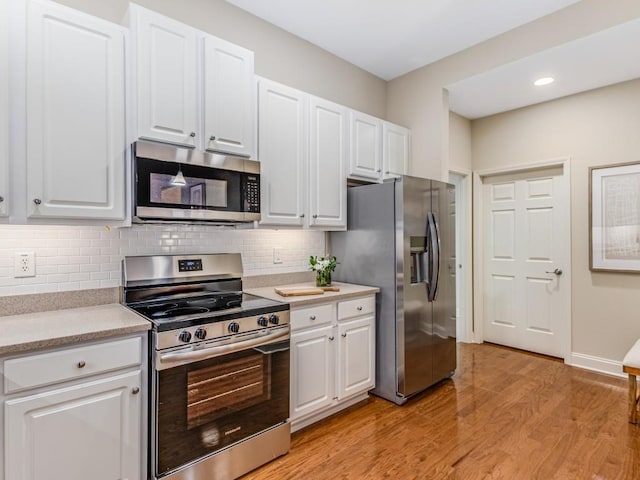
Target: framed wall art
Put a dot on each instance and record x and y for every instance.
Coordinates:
(614, 218)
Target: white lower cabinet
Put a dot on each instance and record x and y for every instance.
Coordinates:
(88, 426)
(332, 357)
(312, 371)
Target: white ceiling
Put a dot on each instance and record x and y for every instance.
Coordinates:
(604, 58)
(391, 37)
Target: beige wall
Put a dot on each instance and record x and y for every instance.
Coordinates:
(459, 143)
(594, 128)
(279, 55)
(417, 101)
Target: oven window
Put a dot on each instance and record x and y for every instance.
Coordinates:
(207, 405)
(196, 191)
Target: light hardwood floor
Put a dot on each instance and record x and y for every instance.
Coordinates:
(504, 415)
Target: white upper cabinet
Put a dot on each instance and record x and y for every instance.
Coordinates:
(193, 89)
(396, 144)
(229, 100)
(365, 158)
(327, 162)
(282, 143)
(166, 78)
(75, 90)
(4, 109)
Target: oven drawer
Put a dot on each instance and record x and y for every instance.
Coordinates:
(312, 316)
(62, 365)
(356, 307)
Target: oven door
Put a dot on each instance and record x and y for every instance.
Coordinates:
(210, 398)
(167, 190)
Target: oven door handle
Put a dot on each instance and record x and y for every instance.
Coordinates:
(168, 360)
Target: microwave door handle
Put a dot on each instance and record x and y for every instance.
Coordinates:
(168, 360)
(434, 255)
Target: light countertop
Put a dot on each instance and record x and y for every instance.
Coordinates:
(31, 331)
(347, 290)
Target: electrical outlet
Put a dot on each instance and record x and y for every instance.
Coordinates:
(277, 255)
(24, 264)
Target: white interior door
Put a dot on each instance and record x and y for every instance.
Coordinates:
(526, 239)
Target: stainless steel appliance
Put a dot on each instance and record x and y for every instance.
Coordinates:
(184, 185)
(219, 392)
(401, 238)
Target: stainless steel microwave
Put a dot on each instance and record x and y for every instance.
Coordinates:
(174, 184)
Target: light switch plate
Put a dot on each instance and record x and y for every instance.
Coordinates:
(277, 255)
(24, 264)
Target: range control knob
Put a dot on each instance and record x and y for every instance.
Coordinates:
(201, 333)
(185, 336)
(262, 321)
(274, 319)
(234, 327)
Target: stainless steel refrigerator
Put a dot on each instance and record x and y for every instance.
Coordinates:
(401, 238)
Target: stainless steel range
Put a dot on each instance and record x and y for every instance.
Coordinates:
(220, 366)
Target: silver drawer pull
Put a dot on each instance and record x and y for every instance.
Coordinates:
(81, 364)
(135, 390)
(312, 317)
(331, 337)
(344, 334)
(359, 309)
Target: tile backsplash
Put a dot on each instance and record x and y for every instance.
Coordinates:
(79, 258)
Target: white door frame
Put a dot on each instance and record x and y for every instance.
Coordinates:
(478, 245)
(465, 252)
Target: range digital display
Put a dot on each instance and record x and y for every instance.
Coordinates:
(190, 265)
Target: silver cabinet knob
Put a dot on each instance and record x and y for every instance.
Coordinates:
(387, 172)
(212, 138)
(359, 309)
(312, 317)
(81, 364)
(135, 390)
(1, 199)
(302, 215)
(344, 335)
(192, 134)
(379, 170)
(315, 216)
(37, 201)
(331, 337)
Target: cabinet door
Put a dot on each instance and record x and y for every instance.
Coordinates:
(327, 160)
(312, 370)
(91, 430)
(396, 145)
(229, 99)
(4, 108)
(365, 146)
(166, 82)
(75, 114)
(356, 356)
(282, 145)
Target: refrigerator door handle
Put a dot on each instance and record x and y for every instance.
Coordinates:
(434, 255)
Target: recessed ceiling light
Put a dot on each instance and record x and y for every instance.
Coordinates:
(543, 81)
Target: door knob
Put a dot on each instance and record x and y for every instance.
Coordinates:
(557, 271)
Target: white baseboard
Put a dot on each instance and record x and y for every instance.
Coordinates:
(597, 364)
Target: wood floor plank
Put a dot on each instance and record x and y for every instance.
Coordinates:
(504, 415)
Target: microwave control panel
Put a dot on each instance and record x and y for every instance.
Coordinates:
(251, 193)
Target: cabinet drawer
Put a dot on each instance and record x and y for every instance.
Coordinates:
(312, 316)
(53, 367)
(356, 307)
